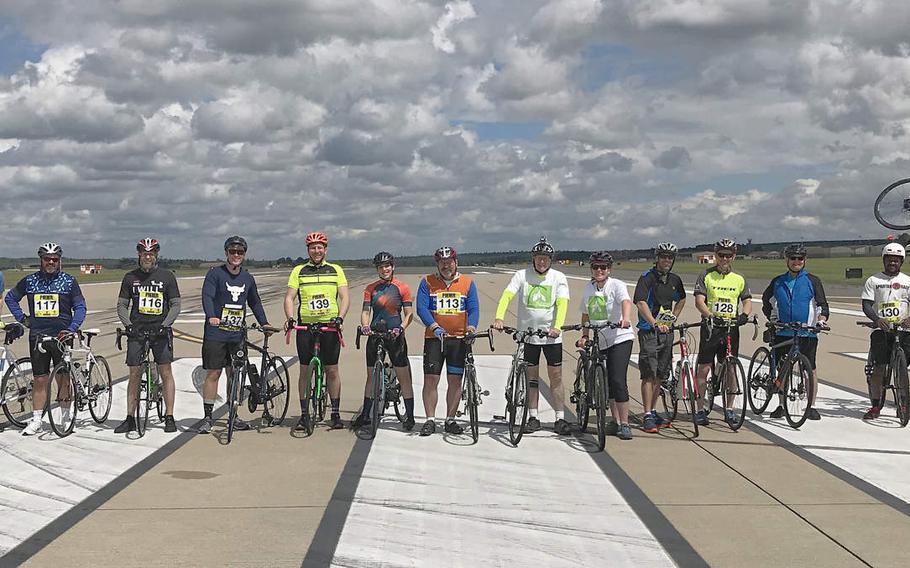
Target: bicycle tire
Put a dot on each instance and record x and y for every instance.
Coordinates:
(738, 393)
(900, 386)
(100, 388)
(883, 210)
(234, 399)
(16, 390)
(277, 390)
(319, 392)
(518, 407)
(601, 404)
(669, 400)
(797, 391)
(142, 402)
(377, 377)
(61, 390)
(471, 398)
(759, 381)
(582, 408)
(690, 394)
(316, 393)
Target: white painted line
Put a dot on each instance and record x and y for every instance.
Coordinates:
(437, 501)
(189, 321)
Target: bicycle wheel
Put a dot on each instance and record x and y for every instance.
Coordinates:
(142, 402)
(901, 389)
(316, 398)
(734, 391)
(100, 388)
(16, 391)
(582, 408)
(759, 381)
(237, 378)
(377, 378)
(61, 393)
(601, 405)
(797, 386)
(471, 398)
(669, 398)
(892, 206)
(276, 390)
(518, 405)
(690, 393)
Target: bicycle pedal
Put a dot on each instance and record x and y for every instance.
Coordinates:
(485, 393)
(498, 417)
(573, 399)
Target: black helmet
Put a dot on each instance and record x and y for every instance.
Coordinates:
(796, 249)
(382, 258)
(235, 240)
(601, 256)
(543, 247)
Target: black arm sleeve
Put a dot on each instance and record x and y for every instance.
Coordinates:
(820, 300)
(869, 310)
(766, 299)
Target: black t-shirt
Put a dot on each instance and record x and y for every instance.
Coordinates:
(658, 293)
(149, 294)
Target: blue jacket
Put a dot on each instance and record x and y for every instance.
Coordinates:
(792, 299)
(60, 303)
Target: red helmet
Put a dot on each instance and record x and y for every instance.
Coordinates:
(148, 244)
(445, 252)
(317, 237)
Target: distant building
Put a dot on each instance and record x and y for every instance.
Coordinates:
(90, 268)
(704, 257)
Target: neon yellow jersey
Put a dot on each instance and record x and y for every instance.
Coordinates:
(723, 292)
(317, 290)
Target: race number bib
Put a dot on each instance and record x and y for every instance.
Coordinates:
(151, 303)
(448, 303)
(890, 311)
(231, 317)
(665, 317)
(47, 305)
(318, 305)
(724, 308)
(539, 297)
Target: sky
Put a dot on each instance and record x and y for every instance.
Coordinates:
(404, 125)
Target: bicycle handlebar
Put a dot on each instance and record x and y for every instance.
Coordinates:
(324, 327)
(819, 327)
(894, 327)
(589, 325)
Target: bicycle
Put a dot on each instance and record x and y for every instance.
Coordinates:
(681, 385)
(732, 370)
(768, 375)
(16, 384)
(269, 384)
(470, 391)
(149, 392)
(385, 389)
(594, 378)
(517, 385)
(892, 208)
(81, 380)
(316, 388)
(897, 365)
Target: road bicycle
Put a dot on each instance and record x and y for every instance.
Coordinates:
(315, 390)
(681, 386)
(384, 388)
(269, 383)
(471, 392)
(517, 385)
(896, 377)
(728, 379)
(16, 384)
(892, 206)
(149, 391)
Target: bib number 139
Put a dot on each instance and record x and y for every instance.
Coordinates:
(319, 304)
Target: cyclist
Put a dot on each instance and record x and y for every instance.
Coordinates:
(321, 289)
(718, 294)
(393, 309)
(797, 296)
(155, 300)
(57, 308)
(447, 304)
(886, 299)
(660, 297)
(607, 299)
(543, 298)
(226, 292)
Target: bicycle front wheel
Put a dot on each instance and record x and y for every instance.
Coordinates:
(759, 381)
(61, 395)
(377, 378)
(600, 400)
(277, 390)
(734, 392)
(518, 404)
(797, 387)
(892, 206)
(100, 388)
(316, 406)
(16, 390)
(471, 398)
(582, 408)
(142, 402)
(237, 378)
(901, 387)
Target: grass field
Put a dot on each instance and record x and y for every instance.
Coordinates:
(107, 275)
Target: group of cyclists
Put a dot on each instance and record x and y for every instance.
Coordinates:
(447, 305)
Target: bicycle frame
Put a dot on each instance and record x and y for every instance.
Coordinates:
(889, 382)
(317, 390)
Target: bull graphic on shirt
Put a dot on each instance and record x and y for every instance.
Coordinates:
(235, 291)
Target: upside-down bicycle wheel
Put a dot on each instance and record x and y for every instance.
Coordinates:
(892, 206)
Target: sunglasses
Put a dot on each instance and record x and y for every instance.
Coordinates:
(724, 255)
(797, 258)
(665, 256)
(50, 259)
(238, 252)
(600, 266)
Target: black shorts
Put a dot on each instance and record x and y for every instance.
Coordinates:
(162, 350)
(456, 353)
(217, 354)
(552, 351)
(655, 355)
(617, 360)
(329, 347)
(397, 350)
(807, 346)
(880, 345)
(41, 362)
(714, 347)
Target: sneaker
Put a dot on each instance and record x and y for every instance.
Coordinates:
(429, 427)
(302, 424)
(335, 423)
(814, 415)
(872, 413)
(408, 424)
(207, 424)
(701, 418)
(34, 427)
(649, 425)
(778, 412)
(532, 425)
(127, 425)
(659, 420)
(562, 427)
(612, 428)
(359, 422)
(625, 432)
(169, 425)
(453, 427)
(240, 424)
(729, 417)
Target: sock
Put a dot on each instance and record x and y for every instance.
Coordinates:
(532, 412)
(431, 419)
(409, 407)
(450, 419)
(367, 406)
(36, 414)
(207, 406)
(336, 404)
(303, 404)
(560, 415)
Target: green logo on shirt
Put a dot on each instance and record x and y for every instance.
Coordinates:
(597, 308)
(539, 297)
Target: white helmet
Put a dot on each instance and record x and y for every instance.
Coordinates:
(894, 249)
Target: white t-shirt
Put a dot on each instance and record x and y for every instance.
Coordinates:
(606, 305)
(890, 295)
(537, 297)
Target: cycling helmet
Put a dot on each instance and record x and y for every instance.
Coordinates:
(796, 249)
(445, 252)
(317, 237)
(666, 248)
(235, 240)
(382, 258)
(148, 244)
(601, 257)
(894, 249)
(725, 244)
(542, 247)
(50, 248)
